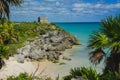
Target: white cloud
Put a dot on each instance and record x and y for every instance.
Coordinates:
(117, 5)
(79, 5)
(60, 7)
(95, 9)
(57, 3)
(96, 6)
(78, 9)
(41, 8)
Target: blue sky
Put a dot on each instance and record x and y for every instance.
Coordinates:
(66, 10)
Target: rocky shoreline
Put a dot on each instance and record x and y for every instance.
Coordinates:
(47, 46)
(14, 68)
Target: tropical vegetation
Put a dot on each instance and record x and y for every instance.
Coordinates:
(5, 7)
(26, 76)
(79, 73)
(105, 44)
(13, 35)
(84, 73)
(7, 33)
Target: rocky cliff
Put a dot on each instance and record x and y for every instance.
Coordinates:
(48, 46)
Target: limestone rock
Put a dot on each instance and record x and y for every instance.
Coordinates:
(20, 58)
(47, 46)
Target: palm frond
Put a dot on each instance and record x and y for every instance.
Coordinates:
(98, 40)
(82, 73)
(96, 56)
(4, 7)
(15, 2)
(111, 27)
(108, 38)
(115, 45)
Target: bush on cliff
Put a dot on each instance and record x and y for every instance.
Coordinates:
(90, 74)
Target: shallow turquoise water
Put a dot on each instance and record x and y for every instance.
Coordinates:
(78, 54)
(80, 57)
(81, 30)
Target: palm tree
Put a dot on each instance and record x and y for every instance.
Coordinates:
(5, 7)
(6, 35)
(105, 44)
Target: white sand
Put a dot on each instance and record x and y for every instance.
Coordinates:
(46, 68)
(14, 68)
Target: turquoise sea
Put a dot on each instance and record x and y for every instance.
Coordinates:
(81, 30)
(79, 54)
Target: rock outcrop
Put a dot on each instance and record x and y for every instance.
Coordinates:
(47, 46)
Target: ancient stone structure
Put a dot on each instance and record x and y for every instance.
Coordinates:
(43, 19)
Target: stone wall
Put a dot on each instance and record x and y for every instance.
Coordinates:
(43, 19)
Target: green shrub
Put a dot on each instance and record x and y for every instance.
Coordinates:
(25, 76)
(86, 73)
(4, 51)
(109, 76)
(90, 74)
(22, 76)
(8, 34)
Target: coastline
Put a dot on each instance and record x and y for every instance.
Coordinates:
(45, 68)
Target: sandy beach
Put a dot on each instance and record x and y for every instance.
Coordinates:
(43, 68)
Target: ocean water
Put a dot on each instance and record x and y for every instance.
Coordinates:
(79, 54)
(80, 30)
